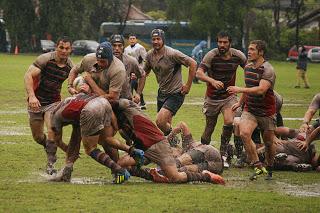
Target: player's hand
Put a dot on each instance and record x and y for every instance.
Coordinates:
(235, 106)
(138, 156)
(304, 127)
(87, 76)
(185, 89)
(217, 84)
(136, 98)
(72, 91)
(302, 145)
(233, 90)
(34, 103)
(278, 141)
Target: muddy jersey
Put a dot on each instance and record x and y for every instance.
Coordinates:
(131, 66)
(278, 100)
(51, 78)
(138, 126)
(222, 70)
(291, 148)
(137, 51)
(110, 79)
(167, 69)
(69, 110)
(260, 105)
(315, 103)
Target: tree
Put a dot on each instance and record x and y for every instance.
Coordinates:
(20, 21)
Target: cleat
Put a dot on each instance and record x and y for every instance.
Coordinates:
(302, 167)
(143, 107)
(281, 156)
(258, 172)
(214, 177)
(50, 170)
(66, 173)
(226, 165)
(121, 177)
(157, 177)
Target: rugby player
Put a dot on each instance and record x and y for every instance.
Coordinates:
(221, 65)
(147, 137)
(259, 107)
(166, 64)
(132, 67)
(43, 82)
(93, 116)
(137, 51)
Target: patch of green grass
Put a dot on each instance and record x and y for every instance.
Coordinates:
(24, 187)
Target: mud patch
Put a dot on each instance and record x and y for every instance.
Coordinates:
(311, 190)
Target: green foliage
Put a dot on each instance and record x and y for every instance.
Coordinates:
(20, 21)
(158, 15)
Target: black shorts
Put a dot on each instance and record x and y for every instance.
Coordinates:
(171, 102)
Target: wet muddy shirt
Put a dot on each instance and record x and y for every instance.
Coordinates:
(167, 69)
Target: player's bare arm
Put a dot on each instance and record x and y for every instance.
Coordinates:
(32, 73)
(307, 118)
(192, 64)
(72, 75)
(203, 77)
(263, 87)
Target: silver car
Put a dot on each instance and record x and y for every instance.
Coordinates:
(314, 54)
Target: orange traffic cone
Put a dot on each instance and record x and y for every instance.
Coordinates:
(16, 50)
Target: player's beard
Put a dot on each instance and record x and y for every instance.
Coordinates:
(223, 51)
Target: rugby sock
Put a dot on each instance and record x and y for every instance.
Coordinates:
(143, 173)
(104, 159)
(204, 141)
(42, 141)
(51, 150)
(256, 136)
(225, 139)
(193, 176)
(239, 146)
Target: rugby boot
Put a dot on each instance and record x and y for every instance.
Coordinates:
(66, 173)
(258, 172)
(281, 156)
(121, 176)
(50, 170)
(302, 167)
(214, 177)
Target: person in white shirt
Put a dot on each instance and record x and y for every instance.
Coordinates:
(137, 51)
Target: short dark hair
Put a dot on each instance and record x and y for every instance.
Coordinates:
(64, 39)
(132, 34)
(223, 34)
(260, 45)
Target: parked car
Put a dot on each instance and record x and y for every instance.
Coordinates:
(293, 52)
(47, 46)
(83, 47)
(314, 54)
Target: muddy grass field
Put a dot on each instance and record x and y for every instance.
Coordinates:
(24, 187)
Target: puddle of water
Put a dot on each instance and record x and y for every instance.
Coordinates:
(311, 190)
